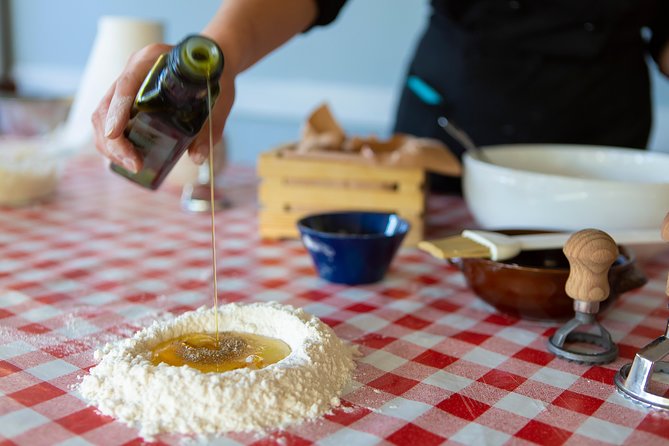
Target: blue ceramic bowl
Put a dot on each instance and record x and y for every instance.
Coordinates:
(354, 247)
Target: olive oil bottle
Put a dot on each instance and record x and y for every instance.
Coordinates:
(171, 107)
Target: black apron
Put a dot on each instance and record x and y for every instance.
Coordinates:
(533, 71)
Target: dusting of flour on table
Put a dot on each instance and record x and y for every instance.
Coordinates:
(167, 399)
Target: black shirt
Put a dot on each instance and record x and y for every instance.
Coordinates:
(556, 71)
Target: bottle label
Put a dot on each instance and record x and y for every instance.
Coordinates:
(155, 146)
(144, 135)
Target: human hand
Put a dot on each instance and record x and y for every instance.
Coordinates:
(111, 116)
(113, 112)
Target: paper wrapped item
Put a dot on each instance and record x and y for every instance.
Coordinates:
(321, 132)
(324, 139)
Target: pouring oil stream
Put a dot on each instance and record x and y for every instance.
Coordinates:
(211, 206)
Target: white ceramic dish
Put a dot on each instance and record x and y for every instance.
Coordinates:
(29, 169)
(567, 187)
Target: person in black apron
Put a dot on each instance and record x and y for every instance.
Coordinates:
(533, 71)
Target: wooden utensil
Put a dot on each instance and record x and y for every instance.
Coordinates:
(498, 246)
(591, 253)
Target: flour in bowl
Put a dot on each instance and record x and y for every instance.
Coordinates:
(28, 170)
(167, 399)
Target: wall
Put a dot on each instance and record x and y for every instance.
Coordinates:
(660, 134)
(356, 64)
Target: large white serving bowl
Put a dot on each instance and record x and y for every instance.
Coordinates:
(567, 187)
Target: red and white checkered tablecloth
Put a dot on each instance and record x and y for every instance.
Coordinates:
(105, 258)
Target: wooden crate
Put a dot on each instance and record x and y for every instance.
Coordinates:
(292, 187)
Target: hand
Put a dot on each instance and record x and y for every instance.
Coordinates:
(113, 113)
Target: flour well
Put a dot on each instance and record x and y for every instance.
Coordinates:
(166, 399)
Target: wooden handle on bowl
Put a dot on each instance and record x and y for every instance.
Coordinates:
(591, 253)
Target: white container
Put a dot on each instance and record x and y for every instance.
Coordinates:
(567, 187)
(116, 39)
(30, 170)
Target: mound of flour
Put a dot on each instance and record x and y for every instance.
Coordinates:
(167, 399)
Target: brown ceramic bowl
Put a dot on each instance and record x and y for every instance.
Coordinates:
(531, 285)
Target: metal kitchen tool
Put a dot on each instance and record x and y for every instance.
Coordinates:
(430, 96)
(196, 196)
(463, 138)
(635, 380)
(591, 253)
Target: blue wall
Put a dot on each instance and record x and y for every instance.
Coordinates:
(356, 64)
(61, 33)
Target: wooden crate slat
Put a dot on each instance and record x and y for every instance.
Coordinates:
(312, 208)
(356, 183)
(271, 165)
(291, 188)
(302, 196)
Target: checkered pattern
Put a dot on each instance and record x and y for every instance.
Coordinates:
(105, 258)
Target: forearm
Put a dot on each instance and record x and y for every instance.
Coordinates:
(247, 30)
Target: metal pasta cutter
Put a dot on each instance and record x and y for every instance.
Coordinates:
(591, 253)
(635, 380)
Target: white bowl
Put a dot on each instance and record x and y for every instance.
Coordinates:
(30, 168)
(567, 187)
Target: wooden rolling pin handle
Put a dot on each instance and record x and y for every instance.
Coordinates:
(591, 253)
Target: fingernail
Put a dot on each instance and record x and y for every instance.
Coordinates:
(129, 164)
(198, 158)
(110, 124)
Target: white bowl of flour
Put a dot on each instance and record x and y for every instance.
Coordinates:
(167, 399)
(30, 168)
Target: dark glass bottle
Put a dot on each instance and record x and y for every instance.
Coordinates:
(172, 106)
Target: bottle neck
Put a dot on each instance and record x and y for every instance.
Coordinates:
(196, 59)
(190, 65)
(182, 91)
